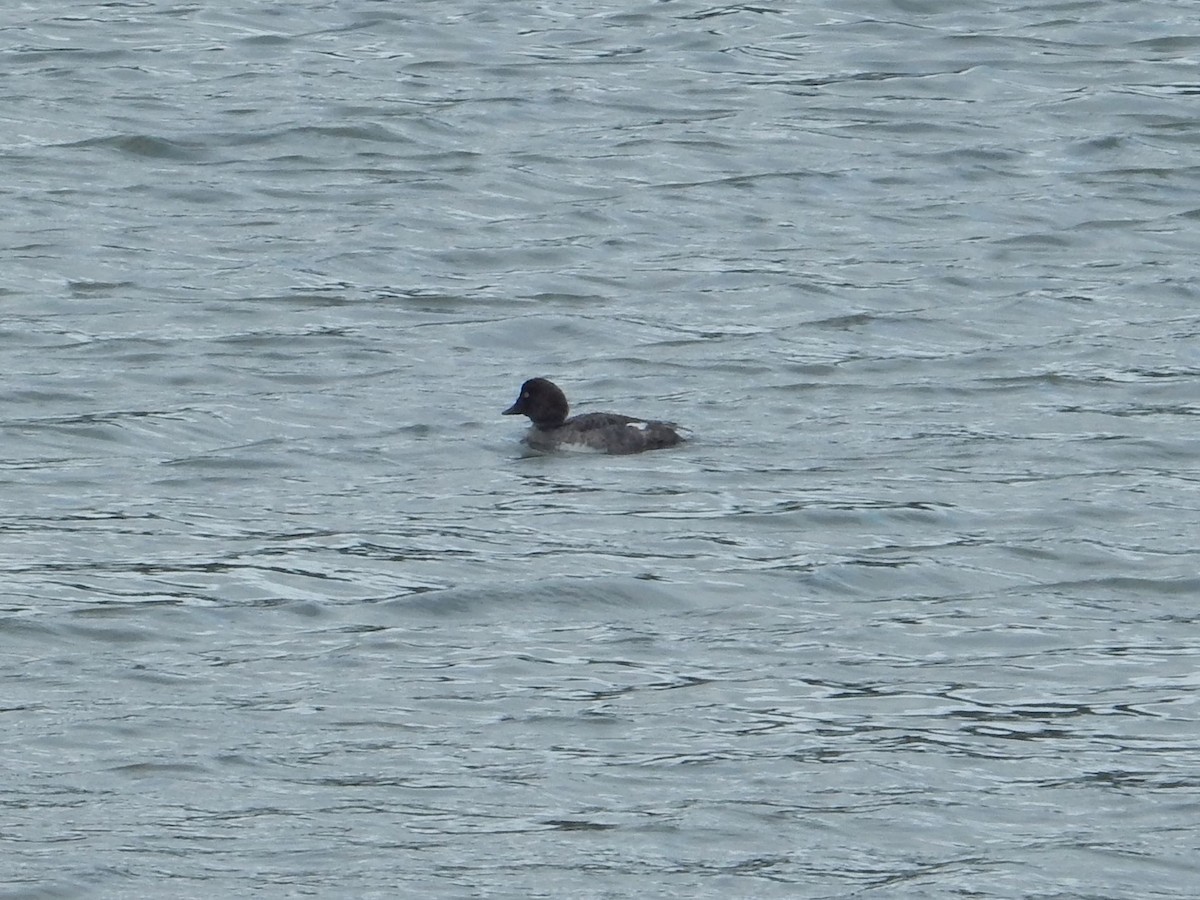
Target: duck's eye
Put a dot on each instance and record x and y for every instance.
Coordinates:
(525, 396)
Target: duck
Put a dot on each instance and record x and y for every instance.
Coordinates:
(546, 406)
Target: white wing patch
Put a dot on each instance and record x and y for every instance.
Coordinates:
(640, 426)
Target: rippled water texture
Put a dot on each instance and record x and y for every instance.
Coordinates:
(287, 611)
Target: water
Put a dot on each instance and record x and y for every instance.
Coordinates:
(286, 610)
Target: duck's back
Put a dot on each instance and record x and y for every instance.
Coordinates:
(614, 433)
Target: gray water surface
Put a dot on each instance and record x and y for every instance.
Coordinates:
(287, 610)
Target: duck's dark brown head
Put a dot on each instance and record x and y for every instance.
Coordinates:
(541, 400)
